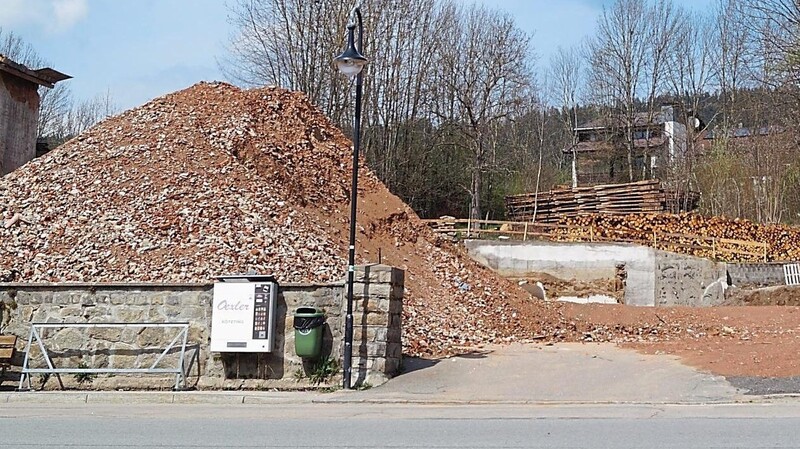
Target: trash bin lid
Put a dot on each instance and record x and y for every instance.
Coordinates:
(308, 311)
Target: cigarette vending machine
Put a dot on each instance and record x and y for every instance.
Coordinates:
(243, 314)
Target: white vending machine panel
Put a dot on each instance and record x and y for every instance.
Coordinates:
(243, 315)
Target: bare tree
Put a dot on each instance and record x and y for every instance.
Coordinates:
(85, 114)
(619, 55)
(485, 73)
(284, 42)
(566, 67)
(733, 43)
(777, 23)
(691, 73)
(15, 48)
(664, 24)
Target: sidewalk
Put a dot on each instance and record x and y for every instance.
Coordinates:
(563, 373)
(516, 374)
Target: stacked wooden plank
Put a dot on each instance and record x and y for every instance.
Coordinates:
(617, 199)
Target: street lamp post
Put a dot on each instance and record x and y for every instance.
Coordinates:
(351, 62)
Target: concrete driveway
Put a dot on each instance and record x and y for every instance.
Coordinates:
(593, 373)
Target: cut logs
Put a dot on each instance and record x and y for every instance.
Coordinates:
(734, 240)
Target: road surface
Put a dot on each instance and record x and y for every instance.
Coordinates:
(399, 426)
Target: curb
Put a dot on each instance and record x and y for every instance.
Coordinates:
(140, 397)
(295, 398)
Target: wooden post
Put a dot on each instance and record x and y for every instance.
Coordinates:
(766, 249)
(525, 233)
(655, 240)
(591, 233)
(714, 249)
(469, 225)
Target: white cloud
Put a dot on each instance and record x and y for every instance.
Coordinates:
(69, 12)
(51, 15)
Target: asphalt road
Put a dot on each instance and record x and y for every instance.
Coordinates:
(399, 426)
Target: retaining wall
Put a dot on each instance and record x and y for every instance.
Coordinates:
(756, 274)
(682, 280)
(377, 348)
(653, 277)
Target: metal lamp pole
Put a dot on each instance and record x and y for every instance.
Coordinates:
(351, 62)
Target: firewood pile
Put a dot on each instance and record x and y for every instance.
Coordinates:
(621, 199)
(704, 236)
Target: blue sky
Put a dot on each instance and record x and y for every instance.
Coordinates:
(141, 49)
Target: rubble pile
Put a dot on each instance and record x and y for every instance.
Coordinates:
(214, 180)
(187, 187)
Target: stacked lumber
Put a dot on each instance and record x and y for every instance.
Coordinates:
(446, 224)
(618, 199)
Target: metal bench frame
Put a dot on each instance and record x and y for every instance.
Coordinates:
(37, 331)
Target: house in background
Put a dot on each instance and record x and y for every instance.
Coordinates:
(19, 110)
(602, 152)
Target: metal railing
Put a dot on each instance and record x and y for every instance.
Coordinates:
(37, 332)
(791, 273)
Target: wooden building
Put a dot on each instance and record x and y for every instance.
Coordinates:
(19, 110)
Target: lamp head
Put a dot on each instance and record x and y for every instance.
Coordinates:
(351, 61)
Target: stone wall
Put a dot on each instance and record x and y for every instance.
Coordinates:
(19, 109)
(748, 275)
(378, 294)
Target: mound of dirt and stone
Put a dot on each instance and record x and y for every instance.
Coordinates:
(215, 180)
(782, 295)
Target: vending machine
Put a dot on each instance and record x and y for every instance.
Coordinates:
(243, 313)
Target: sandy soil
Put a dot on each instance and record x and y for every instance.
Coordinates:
(557, 287)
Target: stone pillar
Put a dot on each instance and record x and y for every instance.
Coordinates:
(377, 323)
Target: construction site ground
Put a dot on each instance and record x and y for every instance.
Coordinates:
(756, 333)
(213, 180)
(730, 341)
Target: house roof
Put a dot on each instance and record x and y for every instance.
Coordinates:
(46, 77)
(590, 147)
(743, 132)
(639, 119)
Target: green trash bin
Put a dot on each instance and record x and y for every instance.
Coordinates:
(308, 326)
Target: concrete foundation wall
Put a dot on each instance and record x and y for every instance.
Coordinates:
(19, 119)
(585, 261)
(653, 277)
(377, 347)
(688, 281)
